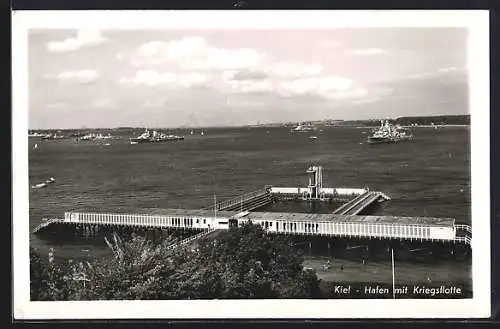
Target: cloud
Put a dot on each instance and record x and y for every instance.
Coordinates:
(451, 70)
(58, 105)
(295, 69)
(78, 76)
(157, 103)
(151, 78)
(241, 70)
(330, 44)
(250, 86)
(326, 86)
(102, 103)
(368, 52)
(193, 80)
(193, 53)
(248, 75)
(373, 95)
(84, 38)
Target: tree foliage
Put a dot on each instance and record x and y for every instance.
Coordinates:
(243, 262)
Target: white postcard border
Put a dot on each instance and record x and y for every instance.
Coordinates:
(478, 24)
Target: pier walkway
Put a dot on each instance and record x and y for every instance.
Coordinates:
(360, 203)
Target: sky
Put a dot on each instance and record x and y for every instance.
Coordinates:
(174, 78)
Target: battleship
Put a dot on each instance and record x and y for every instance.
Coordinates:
(154, 137)
(388, 133)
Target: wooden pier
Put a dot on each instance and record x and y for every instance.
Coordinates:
(345, 226)
(344, 222)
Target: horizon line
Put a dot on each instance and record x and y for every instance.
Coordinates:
(256, 124)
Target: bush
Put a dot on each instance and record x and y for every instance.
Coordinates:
(243, 262)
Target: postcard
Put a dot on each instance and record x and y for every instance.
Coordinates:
(250, 164)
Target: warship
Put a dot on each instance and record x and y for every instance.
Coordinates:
(154, 137)
(388, 133)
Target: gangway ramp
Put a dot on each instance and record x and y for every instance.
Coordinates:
(360, 203)
(192, 239)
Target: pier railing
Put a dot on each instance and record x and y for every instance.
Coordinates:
(358, 204)
(464, 239)
(238, 200)
(46, 223)
(351, 204)
(464, 227)
(191, 239)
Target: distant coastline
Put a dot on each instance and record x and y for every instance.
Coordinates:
(419, 121)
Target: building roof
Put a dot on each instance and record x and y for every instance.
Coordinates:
(165, 212)
(400, 220)
(282, 216)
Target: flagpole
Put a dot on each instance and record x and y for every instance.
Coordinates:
(393, 280)
(215, 206)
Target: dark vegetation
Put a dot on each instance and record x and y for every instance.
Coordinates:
(437, 120)
(419, 120)
(242, 262)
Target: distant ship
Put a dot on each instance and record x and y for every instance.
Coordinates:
(53, 136)
(93, 136)
(77, 135)
(154, 137)
(388, 133)
(302, 128)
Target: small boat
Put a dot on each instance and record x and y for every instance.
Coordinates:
(77, 135)
(302, 128)
(41, 185)
(50, 180)
(53, 136)
(35, 134)
(101, 136)
(313, 137)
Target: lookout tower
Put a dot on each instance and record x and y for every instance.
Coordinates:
(315, 181)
